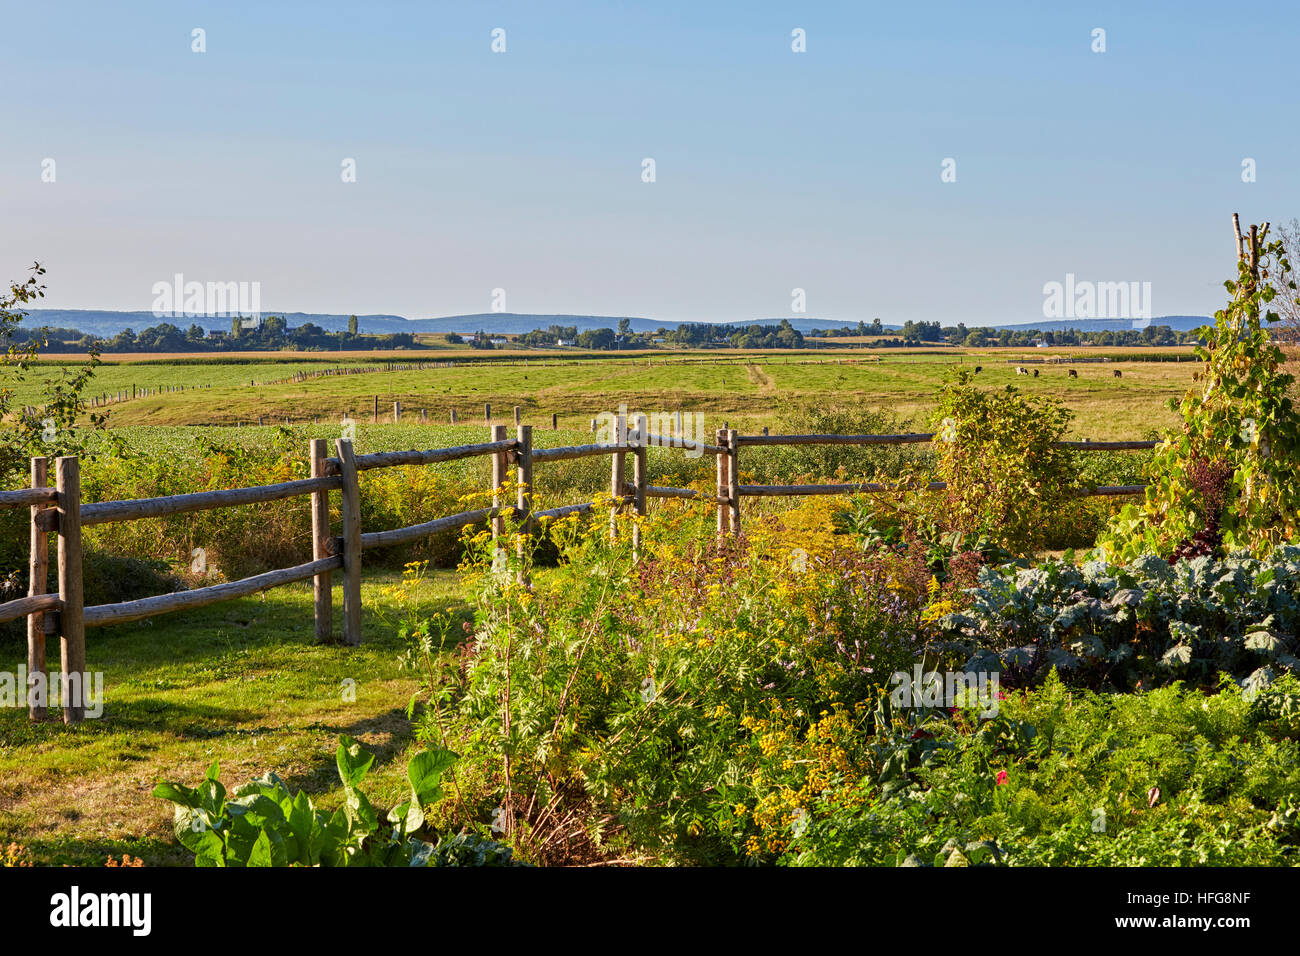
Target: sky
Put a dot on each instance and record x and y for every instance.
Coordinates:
(523, 170)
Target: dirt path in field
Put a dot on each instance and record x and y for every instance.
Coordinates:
(760, 378)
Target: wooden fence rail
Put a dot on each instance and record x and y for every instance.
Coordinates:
(60, 509)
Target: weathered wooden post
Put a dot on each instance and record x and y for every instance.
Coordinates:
(555, 421)
(397, 412)
(720, 438)
(487, 413)
(39, 569)
(524, 491)
(375, 418)
(453, 416)
(639, 481)
(351, 514)
(320, 537)
(617, 473)
(72, 628)
(499, 464)
(517, 418)
(733, 481)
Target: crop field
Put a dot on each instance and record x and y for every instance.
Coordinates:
(747, 391)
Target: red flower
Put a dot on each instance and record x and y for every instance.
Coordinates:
(1002, 777)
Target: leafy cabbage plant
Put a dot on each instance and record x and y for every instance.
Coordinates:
(1138, 624)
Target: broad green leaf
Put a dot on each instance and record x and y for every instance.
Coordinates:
(425, 774)
(353, 762)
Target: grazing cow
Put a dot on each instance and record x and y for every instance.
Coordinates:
(1073, 374)
(1021, 371)
(1035, 373)
(1117, 373)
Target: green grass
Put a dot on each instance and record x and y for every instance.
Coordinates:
(242, 681)
(743, 390)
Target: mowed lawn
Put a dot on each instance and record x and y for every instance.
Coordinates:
(243, 682)
(746, 391)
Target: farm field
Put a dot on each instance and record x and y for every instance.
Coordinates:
(746, 391)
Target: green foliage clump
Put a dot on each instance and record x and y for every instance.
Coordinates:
(263, 824)
(1228, 478)
(1069, 778)
(600, 711)
(1006, 480)
(792, 463)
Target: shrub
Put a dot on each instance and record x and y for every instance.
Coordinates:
(780, 463)
(1006, 482)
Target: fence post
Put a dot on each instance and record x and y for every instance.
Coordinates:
(638, 481)
(453, 416)
(499, 462)
(351, 513)
(517, 418)
(555, 421)
(733, 481)
(617, 473)
(397, 412)
(72, 629)
(39, 570)
(487, 413)
(320, 533)
(723, 459)
(524, 493)
(375, 419)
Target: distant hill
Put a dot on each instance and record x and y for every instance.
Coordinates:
(1179, 323)
(108, 322)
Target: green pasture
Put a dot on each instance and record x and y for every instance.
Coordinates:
(744, 391)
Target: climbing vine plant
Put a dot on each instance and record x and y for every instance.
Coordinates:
(1229, 477)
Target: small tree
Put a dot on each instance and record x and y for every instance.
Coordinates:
(352, 325)
(51, 429)
(1007, 481)
(1229, 476)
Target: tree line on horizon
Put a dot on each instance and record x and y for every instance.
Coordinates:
(272, 333)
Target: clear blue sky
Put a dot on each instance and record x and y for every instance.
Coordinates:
(522, 170)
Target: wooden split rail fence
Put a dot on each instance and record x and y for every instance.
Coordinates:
(59, 510)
